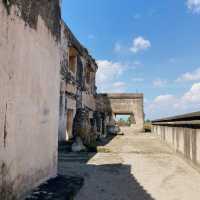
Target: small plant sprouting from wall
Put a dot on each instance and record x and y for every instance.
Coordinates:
(6, 187)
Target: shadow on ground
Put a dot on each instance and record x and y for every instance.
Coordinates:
(80, 179)
(112, 182)
(61, 187)
(102, 181)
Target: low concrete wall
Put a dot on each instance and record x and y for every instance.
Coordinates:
(182, 135)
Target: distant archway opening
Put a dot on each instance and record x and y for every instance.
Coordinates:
(124, 119)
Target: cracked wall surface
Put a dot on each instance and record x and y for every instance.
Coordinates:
(29, 100)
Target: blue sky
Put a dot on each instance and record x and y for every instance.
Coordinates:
(150, 46)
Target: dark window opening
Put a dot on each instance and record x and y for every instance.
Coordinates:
(88, 74)
(72, 59)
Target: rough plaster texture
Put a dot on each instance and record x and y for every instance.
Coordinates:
(185, 141)
(29, 102)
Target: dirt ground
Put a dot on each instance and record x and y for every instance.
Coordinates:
(132, 167)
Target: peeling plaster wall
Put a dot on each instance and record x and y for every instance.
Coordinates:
(29, 100)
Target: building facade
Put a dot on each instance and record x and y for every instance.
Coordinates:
(83, 112)
(78, 89)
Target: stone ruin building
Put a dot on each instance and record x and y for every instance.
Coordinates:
(83, 112)
(78, 89)
(48, 94)
(110, 105)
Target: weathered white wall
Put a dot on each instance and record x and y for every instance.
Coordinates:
(29, 102)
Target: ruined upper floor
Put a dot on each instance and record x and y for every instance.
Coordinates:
(77, 66)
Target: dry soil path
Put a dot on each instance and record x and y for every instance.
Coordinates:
(132, 167)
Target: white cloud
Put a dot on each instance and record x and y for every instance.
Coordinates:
(193, 95)
(194, 5)
(108, 74)
(190, 101)
(159, 83)
(161, 106)
(119, 84)
(140, 44)
(146, 100)
(118, 87)
(190, 76)
(164, 99)
(170, 105)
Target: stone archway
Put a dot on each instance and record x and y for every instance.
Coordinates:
(131, 104)
(125, 119)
